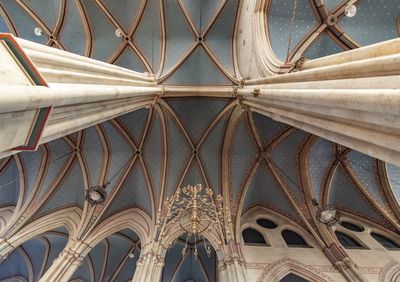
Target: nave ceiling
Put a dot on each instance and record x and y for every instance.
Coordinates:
(145, 155)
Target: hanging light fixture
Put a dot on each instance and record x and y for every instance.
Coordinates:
(195, 211)
(328, 215)
(350, 10)
(118, 33)
(96, 195)
(38, 31)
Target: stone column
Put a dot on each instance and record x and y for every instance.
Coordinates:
(343, 263)
(67, 262)
(149, 267)
(50, 93)
(354, 103)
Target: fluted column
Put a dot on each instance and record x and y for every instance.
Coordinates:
(355, 103)
(343, 263)
(67, 262)
(150, 265)
(49, 93)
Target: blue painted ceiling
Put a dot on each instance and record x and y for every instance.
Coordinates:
(145, 155)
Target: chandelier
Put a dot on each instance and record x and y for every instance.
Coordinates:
(195, 211)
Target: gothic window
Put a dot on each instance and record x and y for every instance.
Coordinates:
(253, 237)
(352, 226)
(386, 242)
(266, 223)
(291, 277)
(293, 239)
(348, 242)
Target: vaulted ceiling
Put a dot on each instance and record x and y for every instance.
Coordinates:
(145, 155)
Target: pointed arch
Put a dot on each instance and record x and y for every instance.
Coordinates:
(390, 272)
(68, 218)
(280, 268)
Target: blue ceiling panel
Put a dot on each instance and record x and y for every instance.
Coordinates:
(57, 244)
(286, 161)
(366, 171)
(210, 153)
(279, 26)
(31, 162)
(323, 46)
(128, 59)
(36, 251)
(393, 173)
(244, 153)
(73, 35)
(153, 155)
(119, 248)
(219, 39)
(332, 4)
(148, 33)
(374, 22)
(320, 160)
(98, 256)
(133, 192)
(14, 266)
(60, 152)
(24, 24)
(104, 39)
(180, 152)
(71, 192)
(201, 12)
(121, 152)
(125, 11)
(189, 72)
(344, 194)
(9, 183)
(267, 128)
(92, 149)
(193, 175)
(50, 14)
(265, 190)
(3, 25)
(180, 37)
(135, 122)
(197, 114)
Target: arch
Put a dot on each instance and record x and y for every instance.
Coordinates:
(390, 272)
(253, 237)
(68, 218)
(348, 242)
(280, 268)
(283, 222)
(134, 218)
(291, 277)
(292, 239)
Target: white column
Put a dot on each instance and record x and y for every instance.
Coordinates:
(76, 92)
(356, 103)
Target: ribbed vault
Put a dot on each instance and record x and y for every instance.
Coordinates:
(142, 157)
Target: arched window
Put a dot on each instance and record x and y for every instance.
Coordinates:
(253, 237)
(266, 223)
(352, 226)
(348, 242)
(293, 239)
(291, 277)
(386, 242)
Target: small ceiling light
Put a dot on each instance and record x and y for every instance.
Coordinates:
(38, 31)
(118, 33)
(350, 11)
(131, 255)
(328, 215)
(96, 195)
